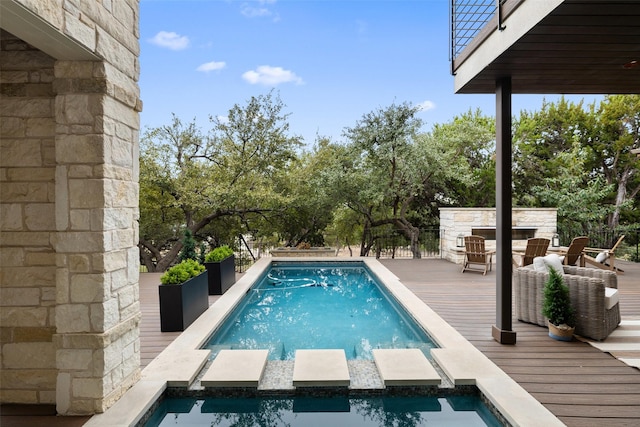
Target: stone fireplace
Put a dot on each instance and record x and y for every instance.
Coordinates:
(460, 222)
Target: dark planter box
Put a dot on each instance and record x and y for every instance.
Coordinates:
(181, 304)
(222, 275)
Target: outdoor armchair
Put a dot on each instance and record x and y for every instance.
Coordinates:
(476, 254)
(575, 251)
(536, 247)
(593, 293)
(605, 259)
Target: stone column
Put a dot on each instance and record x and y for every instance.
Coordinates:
(96, 212)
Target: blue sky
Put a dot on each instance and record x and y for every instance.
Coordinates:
(332, 61)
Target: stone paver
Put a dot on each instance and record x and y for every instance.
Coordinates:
(320, 368)
(236, 368)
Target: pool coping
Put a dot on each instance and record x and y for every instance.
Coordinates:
(183, 359)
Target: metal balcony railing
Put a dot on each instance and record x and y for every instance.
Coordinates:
(467, 18)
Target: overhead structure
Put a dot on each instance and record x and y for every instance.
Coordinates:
(538, 47)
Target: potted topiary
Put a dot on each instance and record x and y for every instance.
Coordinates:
(221, 267)
(556, 307)
(183, 295)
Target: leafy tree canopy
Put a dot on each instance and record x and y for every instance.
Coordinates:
(227, 175)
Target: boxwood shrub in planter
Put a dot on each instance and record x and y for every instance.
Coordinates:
(556, 307)
(221, 267)
(183, 295)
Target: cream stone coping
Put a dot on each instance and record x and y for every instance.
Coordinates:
(131, 407)
(177, 368)
(405, 367)
(320, 368)
(633, 362)
(236, 368)
(457, 357)
(468, 366)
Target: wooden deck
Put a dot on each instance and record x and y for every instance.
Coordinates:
(581, 385)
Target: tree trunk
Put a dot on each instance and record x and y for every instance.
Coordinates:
(621, 197)
(413, 234)
(147, 260)
(366, 236)
(415, 243)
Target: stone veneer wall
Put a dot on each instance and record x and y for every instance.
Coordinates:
(69, 320)
(456, 221)
(27, 224)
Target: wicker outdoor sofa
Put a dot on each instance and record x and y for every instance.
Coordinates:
(597, 309)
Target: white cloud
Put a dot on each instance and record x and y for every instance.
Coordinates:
(170, 40)
(271, 76)
(260, 11)
(426, 106)
(253, 12)
(211, 66)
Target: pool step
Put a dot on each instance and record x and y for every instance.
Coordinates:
(236, 368)
(321, 368)
(403, 367)
(362, 352)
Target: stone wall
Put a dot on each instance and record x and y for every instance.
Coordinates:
(456, 222)
(69, 209)
(27, 223)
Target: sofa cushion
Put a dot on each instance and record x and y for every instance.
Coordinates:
(611, 298)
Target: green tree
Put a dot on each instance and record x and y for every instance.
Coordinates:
(538, 139)
(579, 196)
(393, 170)
(199, 180)
(472, 137)
(580, 160)
(616, 133)
(311, 203)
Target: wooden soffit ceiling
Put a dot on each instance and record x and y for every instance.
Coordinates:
(577, 47)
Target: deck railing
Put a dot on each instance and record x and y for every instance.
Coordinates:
(380, 243)
(385, 243)
(602, 237)
(467, 18)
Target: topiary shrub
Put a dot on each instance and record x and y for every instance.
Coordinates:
(182, 272)
(188, 246)
(218, 254)
(556, 304)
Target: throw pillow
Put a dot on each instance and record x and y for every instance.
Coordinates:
(553, 261)
(539, 265)
(602, 257)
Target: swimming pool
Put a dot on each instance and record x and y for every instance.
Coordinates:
(307, 306)
(181, 364)
(468, 411)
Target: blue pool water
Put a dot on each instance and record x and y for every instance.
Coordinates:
(468, 411)
(305, 306)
